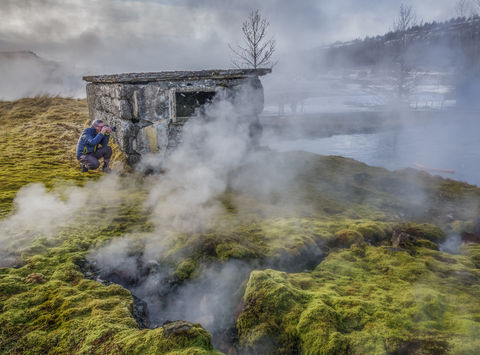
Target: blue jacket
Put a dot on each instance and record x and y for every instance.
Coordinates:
(90, 140)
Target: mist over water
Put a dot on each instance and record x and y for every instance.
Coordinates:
(442, 142)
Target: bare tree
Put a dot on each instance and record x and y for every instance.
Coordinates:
(467, 8)
(475, 8)
(256, 50)
(404, 78)
(406, 19)
(463, 8)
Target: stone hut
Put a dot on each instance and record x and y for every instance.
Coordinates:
(149, 109)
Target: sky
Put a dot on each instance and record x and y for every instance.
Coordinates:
(108, 36)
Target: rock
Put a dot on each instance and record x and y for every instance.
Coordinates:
(140, 312)
(402, 240)
(470, 238)
(410, 235)
(35, 278)
(176, 327)
(423, 231)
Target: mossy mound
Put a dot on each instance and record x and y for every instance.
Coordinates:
(73, 315)
(48, 306)
(346, 237)
(289, 243)
(366, 300)
(473, 251)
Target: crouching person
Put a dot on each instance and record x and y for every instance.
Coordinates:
(93, 145)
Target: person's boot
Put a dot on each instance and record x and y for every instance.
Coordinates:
(84, 168)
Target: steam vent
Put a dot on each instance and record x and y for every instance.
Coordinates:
(150, 109)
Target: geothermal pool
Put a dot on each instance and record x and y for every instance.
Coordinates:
(445, 143)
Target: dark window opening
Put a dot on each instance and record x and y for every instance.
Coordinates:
(188, 102)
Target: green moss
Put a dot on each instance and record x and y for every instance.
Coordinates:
(234, 250)
(274, 301)
(185, 269)
(11, 285)
(373, 232)
(84, 316)
(424, 243)
(38, 144)
(346, 237)
(378, 301)
(472, 251)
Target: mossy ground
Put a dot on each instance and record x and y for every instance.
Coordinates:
(58, 311)
(38, 138)
(366, 300)
(355, 300)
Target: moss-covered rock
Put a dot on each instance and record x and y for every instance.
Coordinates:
(373, 232)
(72, 314)
(344, 238)
(185, 269)
(366, 300)
(423, 231)
(272, 298)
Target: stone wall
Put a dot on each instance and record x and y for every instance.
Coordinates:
(143, 109)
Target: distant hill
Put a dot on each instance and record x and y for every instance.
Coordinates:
(439, 45)
(24, 74)
(23, 55)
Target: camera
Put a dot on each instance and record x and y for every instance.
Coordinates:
(114, 128)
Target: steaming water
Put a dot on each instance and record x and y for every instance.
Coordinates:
(444, 143)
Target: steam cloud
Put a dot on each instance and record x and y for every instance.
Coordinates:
(40, 213)
(184, 199)
(214, 145)
(25, 74)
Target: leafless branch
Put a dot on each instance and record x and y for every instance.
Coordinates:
(405, 19)
(475, 8)
(403, 79)
(256, 50)
(467, 8)
(462, 8)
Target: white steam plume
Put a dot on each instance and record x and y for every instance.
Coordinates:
(42, 213)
